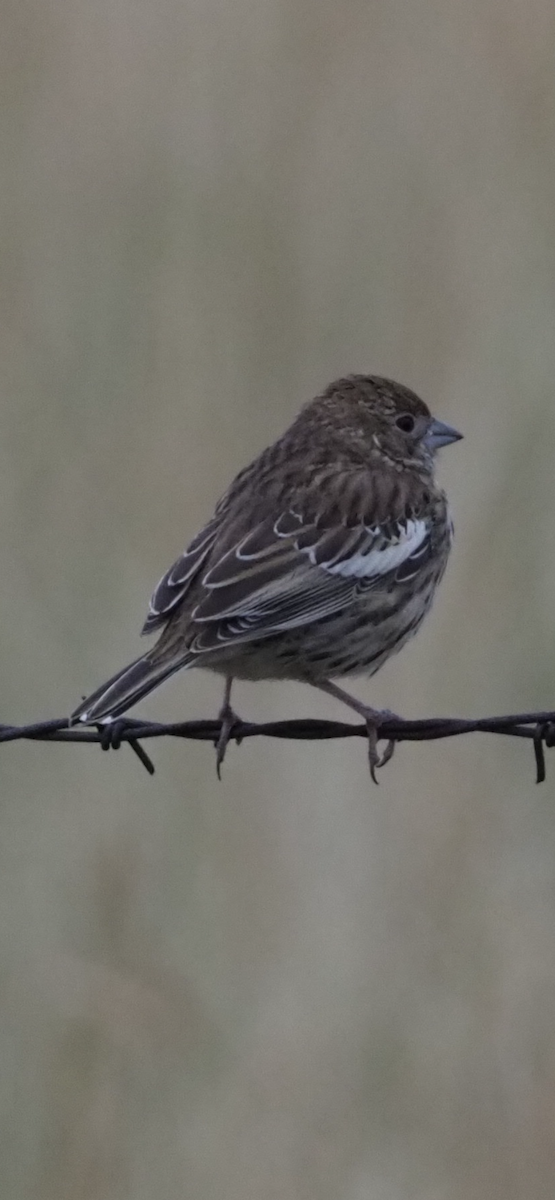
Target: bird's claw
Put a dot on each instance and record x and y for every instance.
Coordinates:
(228, 721)
(376, 760)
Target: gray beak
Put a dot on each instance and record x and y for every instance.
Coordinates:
(440, 434)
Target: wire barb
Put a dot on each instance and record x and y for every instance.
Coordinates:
(538, 727)
(112, 733)
(539, 738)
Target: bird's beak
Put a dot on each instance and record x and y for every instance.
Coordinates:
(440, 434)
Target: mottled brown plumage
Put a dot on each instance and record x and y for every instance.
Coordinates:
(320, 561)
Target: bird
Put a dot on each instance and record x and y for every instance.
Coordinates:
(319, 562)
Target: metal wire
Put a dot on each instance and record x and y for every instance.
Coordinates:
(538, 727)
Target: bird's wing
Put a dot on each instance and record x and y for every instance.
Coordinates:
(175, 584)
(293, 571)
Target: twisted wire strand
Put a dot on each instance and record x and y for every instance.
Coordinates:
(538, 727)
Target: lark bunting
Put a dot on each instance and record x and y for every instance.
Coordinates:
(320, 561)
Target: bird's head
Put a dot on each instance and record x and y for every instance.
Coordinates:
(385, 419)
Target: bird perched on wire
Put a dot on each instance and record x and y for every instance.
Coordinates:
(320, 561)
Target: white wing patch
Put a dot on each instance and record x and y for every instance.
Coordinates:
(378, 561)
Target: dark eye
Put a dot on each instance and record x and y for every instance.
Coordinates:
(406, 423)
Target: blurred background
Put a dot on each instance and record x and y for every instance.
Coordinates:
(290, 984)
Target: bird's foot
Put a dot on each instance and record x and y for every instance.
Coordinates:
(375, 718)
(229, 720)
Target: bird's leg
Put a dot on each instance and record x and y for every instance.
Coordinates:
(228, 719)
(374, 718)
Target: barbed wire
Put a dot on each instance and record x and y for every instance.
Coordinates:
(538, 727)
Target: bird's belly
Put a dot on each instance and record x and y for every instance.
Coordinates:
(356, 641)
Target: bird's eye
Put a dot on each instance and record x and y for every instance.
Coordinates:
(406, 423)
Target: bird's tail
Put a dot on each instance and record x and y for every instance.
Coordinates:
(127, 687)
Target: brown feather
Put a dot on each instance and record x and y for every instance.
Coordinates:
(320, 560)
